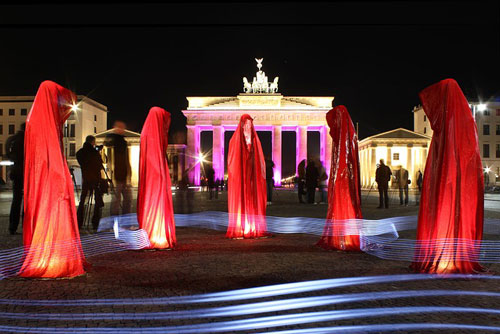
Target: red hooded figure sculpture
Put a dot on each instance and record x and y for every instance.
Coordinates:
(246, 183)
(50, 228)
(344, 189)
(450, 220)
(155, 211)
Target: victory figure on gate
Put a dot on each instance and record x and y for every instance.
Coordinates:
(260, 83)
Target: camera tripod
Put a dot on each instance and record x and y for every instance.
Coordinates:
(90, 201)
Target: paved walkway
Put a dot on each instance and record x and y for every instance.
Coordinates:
(205, 261)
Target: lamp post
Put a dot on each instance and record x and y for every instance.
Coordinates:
(486, 177)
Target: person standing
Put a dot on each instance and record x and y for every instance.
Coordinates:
(420, 180)
(311, 180)
(269, 179)
(323, 182)
(91, 164)
(121, 169)
(15, 153)
(402, 181)
(382, 177)
(217, 187)
(210, 172)
(301, 179)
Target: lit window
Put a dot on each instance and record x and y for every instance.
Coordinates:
(395, 156)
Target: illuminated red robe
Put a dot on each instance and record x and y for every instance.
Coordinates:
(452, 201)
(246, 185)
(50, 228)
(344, 188)
(155, 211)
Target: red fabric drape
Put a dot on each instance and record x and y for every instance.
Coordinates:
(50, 228)
(344, 188)
(246, 185)
(452, 201)
(155, 211)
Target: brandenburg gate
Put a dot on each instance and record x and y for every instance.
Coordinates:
(270, 110)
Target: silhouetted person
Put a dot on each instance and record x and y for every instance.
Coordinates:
(301, 179)
(15, 153)
(383, 176)
(210, 173)
(269, 179)
(189, 194)
(323, 182)
(91, 164)
(312, 176)
(402, 182)
(122, 172)
(420, 181)
(217, 187)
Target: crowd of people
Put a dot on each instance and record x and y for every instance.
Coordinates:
(309, 178)
(402, 181)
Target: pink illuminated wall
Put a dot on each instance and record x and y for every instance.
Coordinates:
(194, 144)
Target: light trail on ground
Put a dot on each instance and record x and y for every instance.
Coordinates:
(246, 309)
(251, 293)
(379, 238)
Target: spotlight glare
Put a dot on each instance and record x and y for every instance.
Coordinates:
(481, 107)
(201, 158)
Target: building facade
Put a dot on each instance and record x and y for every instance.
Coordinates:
(175, 157)
(270, 110)
(487, 117)
(399, 148)
(89, 118)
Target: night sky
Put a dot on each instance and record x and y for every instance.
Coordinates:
(373, 57)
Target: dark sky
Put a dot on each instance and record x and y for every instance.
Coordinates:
(373, 57)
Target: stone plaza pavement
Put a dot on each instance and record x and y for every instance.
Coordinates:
(205, 261)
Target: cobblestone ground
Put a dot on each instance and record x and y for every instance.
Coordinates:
(205, 261)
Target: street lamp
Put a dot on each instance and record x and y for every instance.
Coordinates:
(481, 107)
(201, 158)
(74, 107)
(486, 176)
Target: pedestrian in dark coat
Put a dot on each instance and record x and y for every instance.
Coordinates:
(301, 179)
(383, 176)
(91, 164)
(312, 176)
(15, 153)
(269, 179)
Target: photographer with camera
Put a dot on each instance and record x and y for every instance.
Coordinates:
(15, 153)
(91, 164)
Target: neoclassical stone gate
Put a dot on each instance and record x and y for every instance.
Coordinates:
(270, 110)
